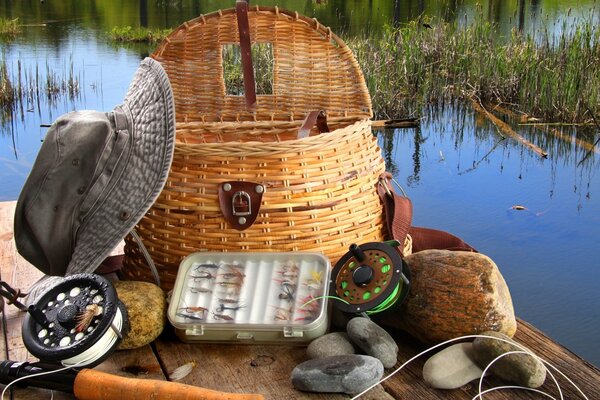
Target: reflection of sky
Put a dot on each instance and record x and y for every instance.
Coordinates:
(544, 252)
(103, 74)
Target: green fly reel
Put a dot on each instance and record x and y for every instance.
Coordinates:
(370, 278)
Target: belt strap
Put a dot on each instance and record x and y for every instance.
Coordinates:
(313, 118)
(241, 10)
(398, 214)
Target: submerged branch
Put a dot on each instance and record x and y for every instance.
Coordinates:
(506, 129)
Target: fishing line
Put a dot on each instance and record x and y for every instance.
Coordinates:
(463, 338)
(35, 375)
(323, 297)
(101, 347)
(513, 387)
(387, 303)
(519, 387)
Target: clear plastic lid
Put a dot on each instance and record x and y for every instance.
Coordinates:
(263, 291)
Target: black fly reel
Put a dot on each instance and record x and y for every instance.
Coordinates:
(78, 322)
(370, 278)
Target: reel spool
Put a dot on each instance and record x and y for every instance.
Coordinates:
(371, 278)
(78, 322)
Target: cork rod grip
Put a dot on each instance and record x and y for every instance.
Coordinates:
(96, 385)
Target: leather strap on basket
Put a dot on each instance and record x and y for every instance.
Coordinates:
(241, 10)
(313, 118)
(240, 202)
(398, 214)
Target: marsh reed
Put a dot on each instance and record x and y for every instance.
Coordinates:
(9, 27)
(22, 88)
(130, 34)
(553, 78)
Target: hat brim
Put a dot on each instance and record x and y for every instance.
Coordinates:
(150, 111)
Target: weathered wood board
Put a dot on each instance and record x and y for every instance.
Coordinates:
(266, 369)
(20, 274)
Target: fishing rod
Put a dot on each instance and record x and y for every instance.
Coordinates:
(74, 326)
(89, 384)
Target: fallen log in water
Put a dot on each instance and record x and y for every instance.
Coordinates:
(396, 123)
(506, 129)
(590, 147)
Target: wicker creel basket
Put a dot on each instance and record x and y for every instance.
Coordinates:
(319, 191)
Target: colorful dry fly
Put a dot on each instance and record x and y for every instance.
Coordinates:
(85, 318)
(289, 270)
(222, 307)
(233, 272)
(223, 317)
(194, 310)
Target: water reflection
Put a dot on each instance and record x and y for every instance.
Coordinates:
(469, 181)
(461, 174)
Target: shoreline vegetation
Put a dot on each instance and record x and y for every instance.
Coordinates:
(555, 78)
(130, 34)
(9, 28)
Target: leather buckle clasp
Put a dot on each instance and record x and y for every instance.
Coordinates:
(240, 202)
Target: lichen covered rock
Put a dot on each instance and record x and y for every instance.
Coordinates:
(146, 310)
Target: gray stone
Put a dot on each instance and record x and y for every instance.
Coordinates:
(520, 369)
(452, 367)
(331, 344)
(337, 374)
(373, 340)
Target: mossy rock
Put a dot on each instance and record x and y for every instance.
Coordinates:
(146, 310)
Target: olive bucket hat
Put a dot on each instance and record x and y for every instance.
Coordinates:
(95, 176)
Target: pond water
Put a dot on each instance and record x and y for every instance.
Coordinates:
(460, 174)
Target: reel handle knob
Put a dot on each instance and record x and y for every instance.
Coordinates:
(362, 275)
(357, 252)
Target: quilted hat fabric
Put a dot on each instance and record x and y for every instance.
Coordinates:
(95, 176)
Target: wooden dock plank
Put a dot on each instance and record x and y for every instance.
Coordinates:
(242, 368)
(266, 369)
(17, 272)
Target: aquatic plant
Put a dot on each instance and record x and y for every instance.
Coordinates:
(9, 27)
(138, 34)
(552, 78)
(22, 89)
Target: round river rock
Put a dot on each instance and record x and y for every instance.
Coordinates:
(146, 310)
(373, 340)
(337, 374)
(331, 344)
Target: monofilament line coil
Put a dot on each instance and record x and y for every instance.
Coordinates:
(78, 322)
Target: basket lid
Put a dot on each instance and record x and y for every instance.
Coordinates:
(299, 66)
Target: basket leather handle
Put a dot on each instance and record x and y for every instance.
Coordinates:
(398, 214)
(313, 118)
(241, 10)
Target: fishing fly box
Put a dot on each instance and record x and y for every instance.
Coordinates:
(250, 297)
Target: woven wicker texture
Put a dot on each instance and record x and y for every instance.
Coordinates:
(320, 190)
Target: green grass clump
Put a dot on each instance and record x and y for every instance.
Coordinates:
(138, 34)
(7, 91)
(553, 78)
(9, 27)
